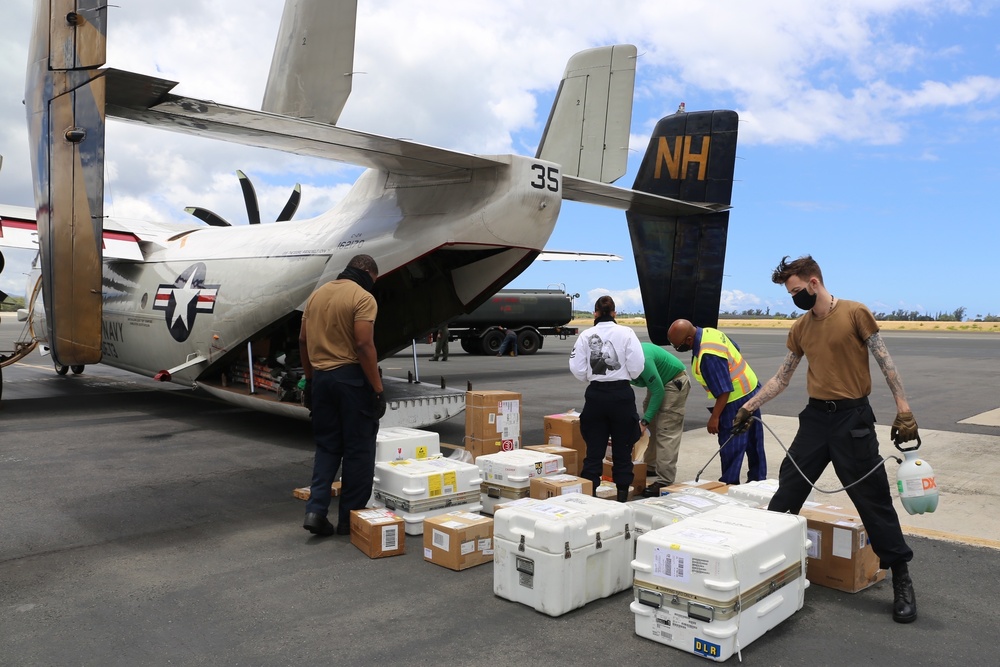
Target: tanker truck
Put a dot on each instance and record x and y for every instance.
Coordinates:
(532, 313)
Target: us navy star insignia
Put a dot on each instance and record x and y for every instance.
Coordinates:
(184, 299)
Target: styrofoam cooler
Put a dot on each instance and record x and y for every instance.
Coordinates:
(757, 494)
(560, 553)
(418, 488)
(507, 475)
(398, 442)
(652, 513)
(715, 582)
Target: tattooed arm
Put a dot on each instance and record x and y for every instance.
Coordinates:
(881, 354)
(777, 384)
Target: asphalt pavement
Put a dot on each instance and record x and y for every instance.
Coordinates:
(145, 524)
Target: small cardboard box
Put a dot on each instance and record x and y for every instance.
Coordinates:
(558, 485)
(492, 421)
(638, 474)
(458, 540)
(841, 555)
(564, 430)
(481, 446)
(568, 454)
(305, 492)
(718, 487)
(609, 491)
(378, 532)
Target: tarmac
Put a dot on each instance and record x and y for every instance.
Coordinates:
(142, 524)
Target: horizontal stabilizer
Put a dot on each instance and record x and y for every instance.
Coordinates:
(569, 256)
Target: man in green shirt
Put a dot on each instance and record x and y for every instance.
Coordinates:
(668, 387)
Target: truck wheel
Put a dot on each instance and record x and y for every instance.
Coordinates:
(528, 342)
(492, 341)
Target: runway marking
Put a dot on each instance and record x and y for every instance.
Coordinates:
(988, 418)
(930, 533)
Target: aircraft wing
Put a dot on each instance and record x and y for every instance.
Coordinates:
(144, 99)
(572, 256)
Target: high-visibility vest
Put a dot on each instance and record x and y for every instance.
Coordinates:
(715, 342)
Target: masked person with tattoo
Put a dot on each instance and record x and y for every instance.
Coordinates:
(608, 356)
(838, 424)
(343, 391)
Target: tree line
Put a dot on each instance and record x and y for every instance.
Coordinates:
(898, 315)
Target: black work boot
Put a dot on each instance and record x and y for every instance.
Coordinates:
(904, 600)
(623, 494)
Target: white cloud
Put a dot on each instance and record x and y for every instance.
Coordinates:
(626, 301)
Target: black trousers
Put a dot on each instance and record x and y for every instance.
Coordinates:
(847, 439)
(344, 427)
(609, 411)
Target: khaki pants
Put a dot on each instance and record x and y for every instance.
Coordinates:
(666, 428)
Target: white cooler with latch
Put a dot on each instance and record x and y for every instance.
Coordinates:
(507, 475)
(756, 494)
(418, 488)
(651, 513)
(713, 583)
(396, 443)
(560, 553)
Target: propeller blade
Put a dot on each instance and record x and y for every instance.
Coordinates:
(292, 205)
(203, 214)
(250, 197)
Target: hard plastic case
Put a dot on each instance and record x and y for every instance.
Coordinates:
(713, 583)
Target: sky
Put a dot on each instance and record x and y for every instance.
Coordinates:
(869, 129)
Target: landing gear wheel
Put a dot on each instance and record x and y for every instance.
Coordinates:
(76, 369)
(61, 370)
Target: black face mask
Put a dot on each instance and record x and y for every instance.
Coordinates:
(804, 300)
(362, 278)
(683, 347)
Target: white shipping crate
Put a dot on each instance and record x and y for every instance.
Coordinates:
(417, 488)
(757, 494)
(715, 582)
(507, 475)
(398, 442)
(651, 513)
(560, 553)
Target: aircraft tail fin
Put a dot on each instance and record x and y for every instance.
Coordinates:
(64, 100)
(313, 62)
(588, 127)
(680, 259)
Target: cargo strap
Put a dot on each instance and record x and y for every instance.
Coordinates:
(426, 504)
(706, 609)
(499, 491)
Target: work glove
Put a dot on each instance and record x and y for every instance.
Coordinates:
(307, 395)
(741, 422)
(904, 428)
(379, 406)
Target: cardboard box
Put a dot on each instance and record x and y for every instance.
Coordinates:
(558, 485)
(305, 492)
(638, 474)
(492, 421)
(568, 453)
(458, 540)
(564, 430)
(841, 555)
(378, 532)
(718, 487)
(609, 491)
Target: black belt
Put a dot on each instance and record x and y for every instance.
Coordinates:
(608, 384)
(838, 405)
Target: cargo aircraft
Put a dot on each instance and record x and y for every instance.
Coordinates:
(218, 306)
